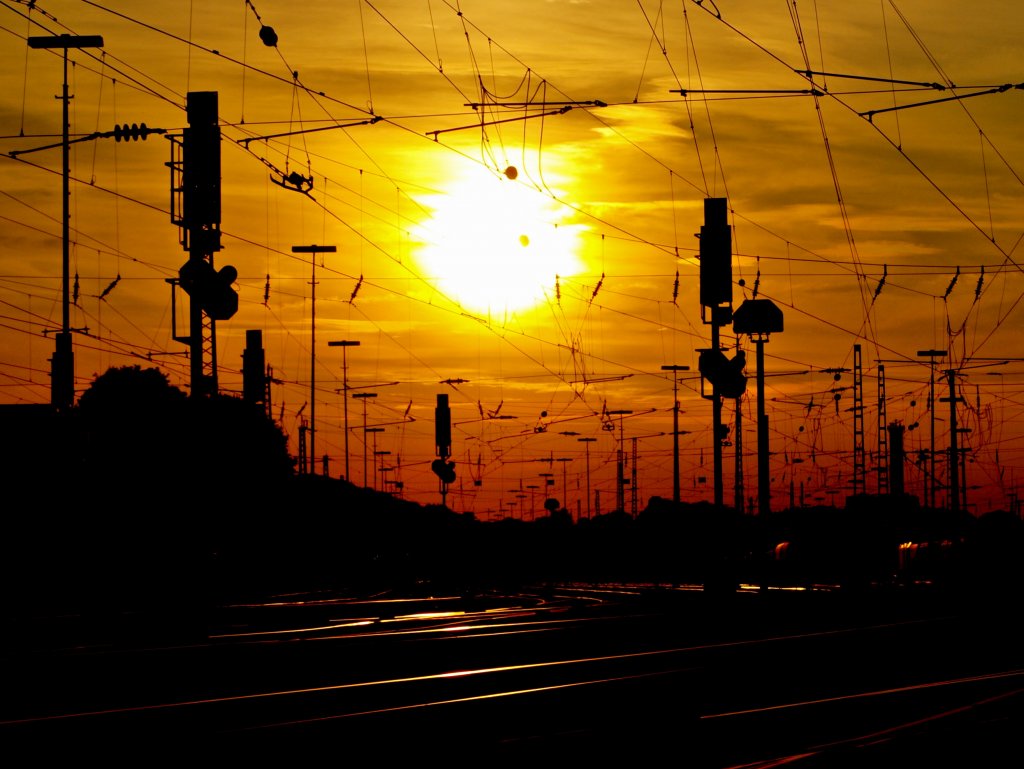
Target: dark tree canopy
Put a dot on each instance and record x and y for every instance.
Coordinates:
(141, 431)
(121, 390)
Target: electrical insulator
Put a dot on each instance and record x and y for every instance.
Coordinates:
(132, 132)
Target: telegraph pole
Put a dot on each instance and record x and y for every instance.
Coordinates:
(620, 479)
(859, 485)
(931, 355)
(62, 365)
(884, 486)
(633, 478)
(737, 442)
(954, 452)
(312, 251)
(363, 397)
(565, 487)
(549, 481)
(344, 344)
(586, 443)
(675, 426)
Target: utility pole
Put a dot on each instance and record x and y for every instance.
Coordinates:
(312, 251)
(930, 486)
(884, 487)
(372, 431)
(533, 501)
(896, 458)
(378, 454)
(675, 426)
(344, 344)
(565, 487)
(586, 443)
(764, 495)
(363, 397)
(954, 453)
(303, 429)
(62, 365)
(620, 479)
(633, 480)
(549, 481)
(737, 445)
(859, 485)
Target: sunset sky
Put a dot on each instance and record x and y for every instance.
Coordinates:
(513, 190)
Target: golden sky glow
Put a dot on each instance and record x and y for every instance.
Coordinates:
(878, 204)
(494, 245)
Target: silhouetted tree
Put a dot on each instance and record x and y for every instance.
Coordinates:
(122, 390)
(141, 431)
(172, 480)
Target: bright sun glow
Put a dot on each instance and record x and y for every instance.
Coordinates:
(494, 244)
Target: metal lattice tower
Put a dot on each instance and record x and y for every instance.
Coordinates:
(883, 436)
(716, 307)
(303, 429)
(858, 423)
(737, 442)
(195, 208)
(632, 482)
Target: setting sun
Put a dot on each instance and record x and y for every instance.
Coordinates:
(513, 196)
(496, 244)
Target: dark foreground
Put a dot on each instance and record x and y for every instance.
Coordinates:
(642, 673)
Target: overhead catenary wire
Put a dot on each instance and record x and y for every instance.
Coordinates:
(668, 281)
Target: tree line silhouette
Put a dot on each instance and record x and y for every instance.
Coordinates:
(145, 500)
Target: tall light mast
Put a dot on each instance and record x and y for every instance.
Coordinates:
(62, 365)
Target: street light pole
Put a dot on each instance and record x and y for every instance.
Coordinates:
(675, 427)
(763, 474)
(344, 344)
(62, 371)
(759, 318)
